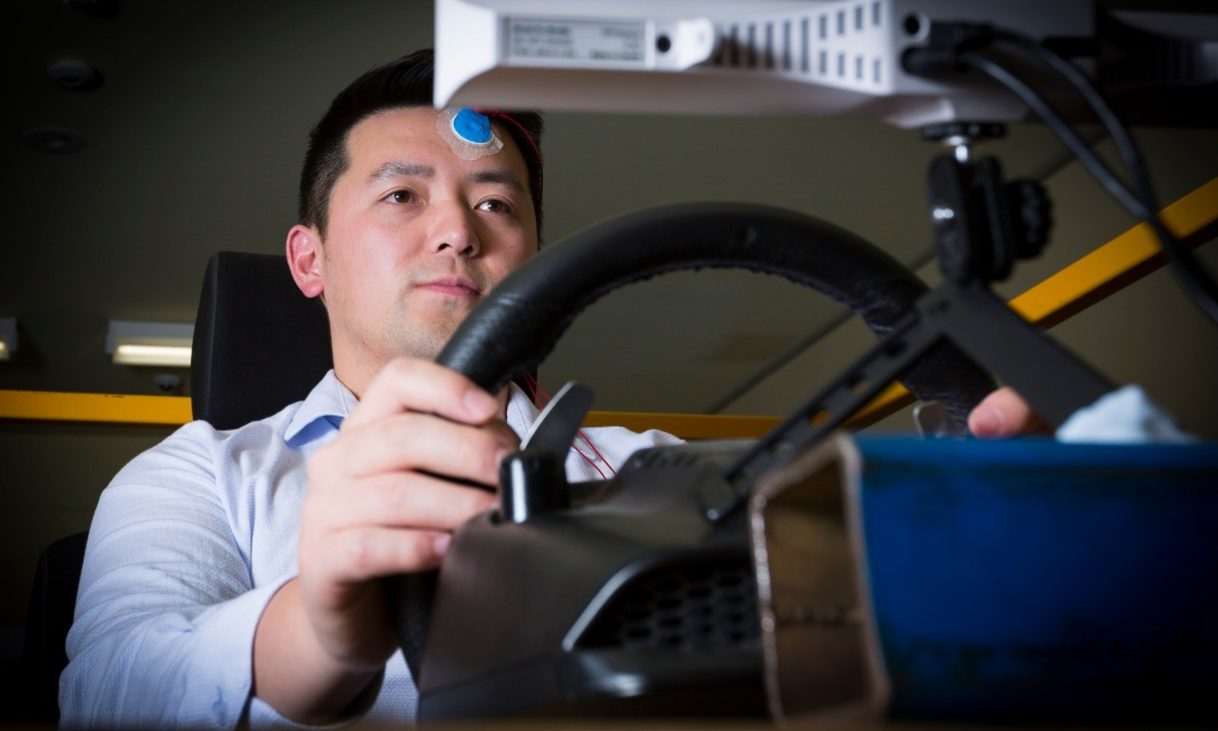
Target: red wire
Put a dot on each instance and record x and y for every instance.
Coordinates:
(534, 388)
(597, 452)
(507, 117)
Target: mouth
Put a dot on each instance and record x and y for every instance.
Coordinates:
(452, 287)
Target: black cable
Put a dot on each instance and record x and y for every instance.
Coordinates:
(1197, 282)
(1098, 168)
(1125, 144)
(1199, 286)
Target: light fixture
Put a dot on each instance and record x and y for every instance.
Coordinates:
(75, 74)
(8, 337)
(150, 343)
(54, 140)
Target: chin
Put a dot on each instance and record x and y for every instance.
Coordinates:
(421, 327)
(420, 344)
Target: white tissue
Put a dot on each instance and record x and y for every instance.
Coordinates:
(1125, 416)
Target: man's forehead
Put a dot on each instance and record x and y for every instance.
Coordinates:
(405, 140)
(493, 175)
(404, 126)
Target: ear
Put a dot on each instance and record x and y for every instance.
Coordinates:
(305, 260)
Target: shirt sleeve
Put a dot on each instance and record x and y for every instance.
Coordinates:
(166, 610)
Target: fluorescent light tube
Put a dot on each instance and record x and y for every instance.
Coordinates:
(158, 355)
(165, 344)
(8, 337)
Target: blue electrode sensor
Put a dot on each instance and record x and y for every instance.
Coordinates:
(472, 127)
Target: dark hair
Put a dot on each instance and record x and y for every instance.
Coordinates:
(406, 82)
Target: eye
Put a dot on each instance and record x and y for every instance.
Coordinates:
(400, 196)
(494, 205)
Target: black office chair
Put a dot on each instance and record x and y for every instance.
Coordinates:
(52, 603)
(259, 344)
(274, 347)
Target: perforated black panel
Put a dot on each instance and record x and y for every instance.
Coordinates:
(693, 607)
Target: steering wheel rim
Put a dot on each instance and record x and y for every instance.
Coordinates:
(518, 323)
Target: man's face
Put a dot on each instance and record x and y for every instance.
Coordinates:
(417, 236)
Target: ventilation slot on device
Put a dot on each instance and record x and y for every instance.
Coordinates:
(810, 45)
(703, 606)
(804, 26)
(786, 45)
(663, 459)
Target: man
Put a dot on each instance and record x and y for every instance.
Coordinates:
(234, 575)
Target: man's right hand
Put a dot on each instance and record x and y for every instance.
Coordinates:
(374, 508)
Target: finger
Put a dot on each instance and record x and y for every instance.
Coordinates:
(358, 554)
(504, 433)
(1004, 413)
(406, 500)
(411, 384)
(421, 442)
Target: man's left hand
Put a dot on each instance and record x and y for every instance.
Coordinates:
(1004, 413)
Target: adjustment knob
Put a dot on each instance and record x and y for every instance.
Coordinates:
(1034, 211)
(531, 483)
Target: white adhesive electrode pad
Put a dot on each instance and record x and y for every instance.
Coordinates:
(468, 132)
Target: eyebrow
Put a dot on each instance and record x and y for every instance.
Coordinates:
(498, 177)
(400, 169)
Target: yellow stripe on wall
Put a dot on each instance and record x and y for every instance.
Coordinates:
(1120, 262)
(175, 410)
(686, 426)
(94, 407)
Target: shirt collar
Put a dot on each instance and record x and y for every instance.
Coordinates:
(521, 413)
(325, 407)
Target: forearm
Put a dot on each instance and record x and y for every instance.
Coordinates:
(138, 662)
(165, 604)
(294, 674)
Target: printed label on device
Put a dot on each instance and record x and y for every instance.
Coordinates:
(533, 40)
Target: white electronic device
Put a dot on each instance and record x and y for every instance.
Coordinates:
(726, 57)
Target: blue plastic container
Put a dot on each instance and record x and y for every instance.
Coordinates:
(1028, 579)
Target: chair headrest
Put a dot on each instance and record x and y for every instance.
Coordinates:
(259, 344)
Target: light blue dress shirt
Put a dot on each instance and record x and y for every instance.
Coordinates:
(188, 544)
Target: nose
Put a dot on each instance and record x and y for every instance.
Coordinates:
(452, 230)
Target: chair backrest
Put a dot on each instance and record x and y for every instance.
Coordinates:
(52, 604)
(259, 344)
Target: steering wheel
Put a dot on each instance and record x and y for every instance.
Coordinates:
(519, 322)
